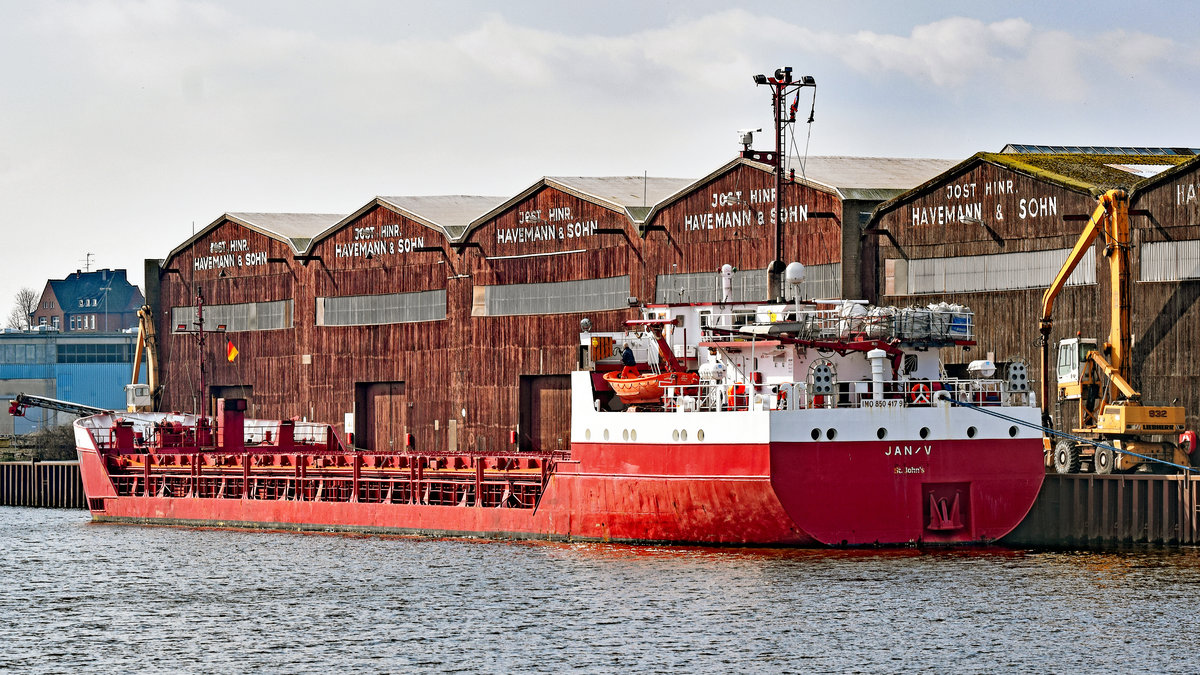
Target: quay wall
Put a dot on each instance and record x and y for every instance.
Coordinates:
(45, 484)
(1089, 511)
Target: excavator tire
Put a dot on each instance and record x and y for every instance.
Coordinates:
(1066, 457)
(1104, 461)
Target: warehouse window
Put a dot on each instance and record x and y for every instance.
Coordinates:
(236, 318)
(24, 354)
(563, 297)
(820, 281)
(976, 273)
(748, 286)
(1170, 261)
(374, 310)
(95, 353)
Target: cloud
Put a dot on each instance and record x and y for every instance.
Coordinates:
(160, 112)
(1012, 58)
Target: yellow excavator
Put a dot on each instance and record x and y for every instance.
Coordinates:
(1114, 425)
(144, 397)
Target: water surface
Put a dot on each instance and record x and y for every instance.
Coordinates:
(107, 598)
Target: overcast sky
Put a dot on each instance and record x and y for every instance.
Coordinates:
(126, 124)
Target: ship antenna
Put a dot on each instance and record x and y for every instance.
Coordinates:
(782, 85)
(200, 344)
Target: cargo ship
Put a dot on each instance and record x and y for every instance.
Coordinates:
(785, 424)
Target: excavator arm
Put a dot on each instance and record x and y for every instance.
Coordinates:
(1115, 377)
(1101, 223)
(147, 343)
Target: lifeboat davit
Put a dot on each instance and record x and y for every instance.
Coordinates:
(633, 387)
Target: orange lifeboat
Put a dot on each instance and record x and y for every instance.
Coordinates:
(634, 387)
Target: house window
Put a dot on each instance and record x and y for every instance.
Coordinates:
(56, 321)
(41, 321)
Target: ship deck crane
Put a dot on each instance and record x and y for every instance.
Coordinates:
(23, 401)
(1111, 410)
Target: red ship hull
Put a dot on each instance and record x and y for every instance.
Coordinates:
(767, 494)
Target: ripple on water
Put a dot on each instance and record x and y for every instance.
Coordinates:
(104, 597)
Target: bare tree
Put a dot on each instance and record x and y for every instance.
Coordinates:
(24, 305)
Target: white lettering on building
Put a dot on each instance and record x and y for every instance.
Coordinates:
(1038, 208)
(228, 254)
(741, 216)
(1184, 193)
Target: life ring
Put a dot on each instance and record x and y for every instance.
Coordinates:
(918, 394)
(1187, 441)
(781, 400)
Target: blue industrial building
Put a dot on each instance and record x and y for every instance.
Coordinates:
(87, 368)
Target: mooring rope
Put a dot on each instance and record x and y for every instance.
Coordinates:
(1063, 434)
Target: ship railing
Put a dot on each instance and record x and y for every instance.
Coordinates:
(720, 396)
(910, 324)
(255, 433)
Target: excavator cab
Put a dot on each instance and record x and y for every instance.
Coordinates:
(137, 398)
(1073, 370)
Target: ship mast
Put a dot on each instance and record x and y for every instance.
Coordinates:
(782, 85)
(200, 346)
(199, 331)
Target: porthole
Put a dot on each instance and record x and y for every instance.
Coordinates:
(816, 434)
(831, 434)
(683, 435)
(881, 433)
(924, 433)
(587, 435)
(971, 431)
(624, 434)
(633, 434)
(1012, 432)
(699, 434)
(606, 434)
(675, 435)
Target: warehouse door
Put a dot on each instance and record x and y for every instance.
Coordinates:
(545, 413)
(380, 416)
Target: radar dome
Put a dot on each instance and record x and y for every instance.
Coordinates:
(793, 274)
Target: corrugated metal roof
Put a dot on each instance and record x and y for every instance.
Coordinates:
(1168, 175)
(450, 213)
(623, 191)
(298, 228)
(864, 178)
(1094, 150)
(1087, 172)
(870, 174)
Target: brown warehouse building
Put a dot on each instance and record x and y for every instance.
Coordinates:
(456, 318)
(992, 232)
